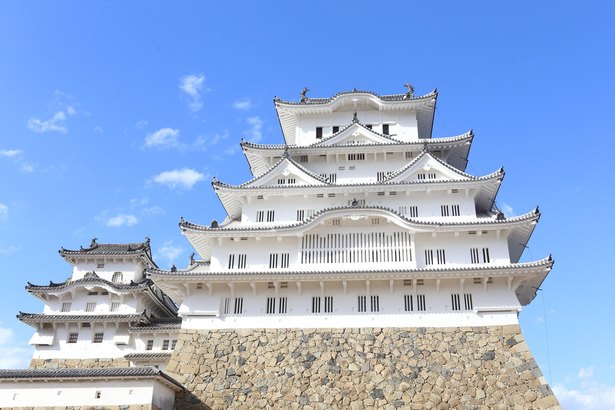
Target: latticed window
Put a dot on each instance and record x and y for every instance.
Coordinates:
(90, 307)
(118, 277)
(115, 306)
(98, 337)
(150, 345)
(165, 344)
(73, 337)
(66, 306)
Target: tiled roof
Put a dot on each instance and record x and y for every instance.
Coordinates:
(542, 263)
(535, 214)
(428, 141)
(148, 355)
(93, 279)
(159, 326)
(86, 374)
(111, 249)
(32, 318)
(390, 97)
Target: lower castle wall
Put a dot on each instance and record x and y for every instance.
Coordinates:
(462, 367)
(78, 363)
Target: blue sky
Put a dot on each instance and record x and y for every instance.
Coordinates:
(114, 117)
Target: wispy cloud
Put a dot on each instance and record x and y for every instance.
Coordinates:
(8, 250)
(179, 178)
(10, 153)
(591, 395)
(12, 353)
(243, 104)
(202, 142)
(27, 168)
(55, 123)
(122, 220)
(193, 86)
(162, 138)
(585, 372)
(4, 210)
(169, 251)
(507, 209)
(254, 133)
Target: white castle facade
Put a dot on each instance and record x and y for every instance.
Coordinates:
(360, 219)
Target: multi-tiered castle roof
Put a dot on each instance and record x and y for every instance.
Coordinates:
(360, 203)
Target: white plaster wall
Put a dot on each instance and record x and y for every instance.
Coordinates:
(79, 298)
(491, 298)
(83, 393)
(403, 124)
(131, 270)
(428, 203)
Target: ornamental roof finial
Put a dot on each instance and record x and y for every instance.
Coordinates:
(286, 153)
(354, 202)
(173, 268)
(93, 243)
(147, 241)
(303, 96)
(410, 92)
(355, 118)
(192, 258)
(214, 224)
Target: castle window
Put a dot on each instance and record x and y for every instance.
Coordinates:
(356, 157)
(336, 128)
(413, 211)
(420, 303)
(456, 210)
(66, 306)
(73, 337)
(150, 345)
(279, 260)
(408, 305)
(283, 304)
(303, 158)
(444, 210)
(375, 303)
(440, 257)
(92, 293)
(265, 216)
(455, 301)
(369, 126)
(115, 306)
(409, 155)
(237, 261)
(173, 343)
(475, 255)
(316, 304)
(98, 337)
(165, 344)
(117, 277)
(270, 306)
(362, 304)
(319, 133)
(238, 308)
(467, 301)
(385, 129)
(90, 307)
(328, 304)
(97, 394)
(100, 265)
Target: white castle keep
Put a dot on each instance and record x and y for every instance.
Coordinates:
(360, 219)
(360, 222)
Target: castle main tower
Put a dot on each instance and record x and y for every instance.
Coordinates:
(360, 266)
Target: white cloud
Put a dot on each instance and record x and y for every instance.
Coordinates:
(243, 104)
(13, 355)
(122, 220)
(10, 152)
(203, 142)
(507, 209)
(169, 251)
(162, 138)
(55, 123)
(182, 178)
(591, 396)
(8, 250)
(585, 372)
(192, 85)
(98, 129)
(27, 168)
(4, 210)
(254, 133)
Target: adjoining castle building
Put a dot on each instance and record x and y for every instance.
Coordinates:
(360, 267)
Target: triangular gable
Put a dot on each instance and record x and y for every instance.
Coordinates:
(355, 134)
(286, 172)
(426, 167)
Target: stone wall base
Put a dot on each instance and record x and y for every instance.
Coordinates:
(412, 368)
(78, 363)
